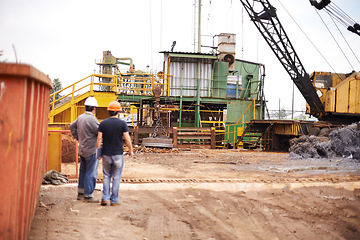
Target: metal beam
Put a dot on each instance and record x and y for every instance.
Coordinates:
(189, 55)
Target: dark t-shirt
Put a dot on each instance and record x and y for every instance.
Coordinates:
(112, 130)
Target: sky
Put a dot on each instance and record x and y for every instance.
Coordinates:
(63, 38)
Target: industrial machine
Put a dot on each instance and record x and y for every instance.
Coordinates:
(330, 96)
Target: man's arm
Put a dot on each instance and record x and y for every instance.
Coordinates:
(99, 139)
(128, 143)
(94, 126)
(73, 128)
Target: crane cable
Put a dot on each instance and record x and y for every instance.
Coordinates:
(337, 14)
(345, 39)
(334, 39)
(307, 37)
(334, 11)
(341, 16)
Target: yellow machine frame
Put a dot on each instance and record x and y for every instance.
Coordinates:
(70, 105)
(339, 93)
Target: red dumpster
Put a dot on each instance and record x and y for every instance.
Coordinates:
(24, 107)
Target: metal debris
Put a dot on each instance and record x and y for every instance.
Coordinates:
(55, 178)
(143, 149)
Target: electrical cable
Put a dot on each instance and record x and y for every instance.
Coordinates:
(230, 16)
(242, 33)
(262, 74)
(194, 18)
(161, 14)
(208, 19)
(151, 48)
(249, 72)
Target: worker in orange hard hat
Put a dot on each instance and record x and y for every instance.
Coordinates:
(114, 106)
(111, 133)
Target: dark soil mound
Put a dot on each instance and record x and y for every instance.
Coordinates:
(342, 142)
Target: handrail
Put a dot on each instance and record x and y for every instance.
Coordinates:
(226, 132)
(242, 116)
(126, 83)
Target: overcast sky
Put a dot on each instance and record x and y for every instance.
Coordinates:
(62, 38)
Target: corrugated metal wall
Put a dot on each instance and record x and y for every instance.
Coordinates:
(24, 108)
(185, 78)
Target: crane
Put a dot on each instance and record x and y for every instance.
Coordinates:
(268, 24)
(334, 100)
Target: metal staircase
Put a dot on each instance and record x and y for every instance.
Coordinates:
(70, 105)
(253, 134)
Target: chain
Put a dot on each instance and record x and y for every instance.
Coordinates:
(158, 123)
(156, 129)
(163, 128)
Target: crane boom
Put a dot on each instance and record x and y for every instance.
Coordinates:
(268, 24)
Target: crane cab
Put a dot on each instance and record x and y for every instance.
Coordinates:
(339, 94)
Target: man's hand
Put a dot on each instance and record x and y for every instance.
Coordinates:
(128, 143)
(131, 153)
(99, 140)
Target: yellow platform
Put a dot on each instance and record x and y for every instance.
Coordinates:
(105, 88)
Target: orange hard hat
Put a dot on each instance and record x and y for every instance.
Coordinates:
(114, 106)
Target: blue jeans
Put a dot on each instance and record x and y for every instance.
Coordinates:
(88, 175)
(112, 167)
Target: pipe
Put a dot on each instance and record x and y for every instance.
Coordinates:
(127, 58)
(199, 28)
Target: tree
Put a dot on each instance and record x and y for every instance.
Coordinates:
(280, 114)
(57, 87)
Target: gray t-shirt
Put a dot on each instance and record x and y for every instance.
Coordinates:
(85, 129)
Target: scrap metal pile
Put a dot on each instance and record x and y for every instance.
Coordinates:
(143, 149)
(55, 178)
(342, 142)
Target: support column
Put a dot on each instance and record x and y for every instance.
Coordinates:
(181, 93)
(197, 107)
(141, 112)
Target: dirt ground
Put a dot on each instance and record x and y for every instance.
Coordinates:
(212, 194)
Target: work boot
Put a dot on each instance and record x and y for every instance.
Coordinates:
(104, 202)
(115, 204)
(91, 200)
(80, 196)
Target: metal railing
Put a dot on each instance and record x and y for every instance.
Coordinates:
(230, 134)
(59, 147)
(211, 121)
(127, 83)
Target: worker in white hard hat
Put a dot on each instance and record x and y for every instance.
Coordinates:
(85, 130)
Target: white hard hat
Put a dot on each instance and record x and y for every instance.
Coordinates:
(91, 101)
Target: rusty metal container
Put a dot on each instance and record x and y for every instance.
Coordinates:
(24, 107)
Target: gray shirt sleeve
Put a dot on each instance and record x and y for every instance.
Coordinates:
(94, 126)
(86, 130)
(73, 128)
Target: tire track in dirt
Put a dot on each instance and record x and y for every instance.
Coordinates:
(198, 213)
(212, 195)
(245, 180)
(316, 214)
